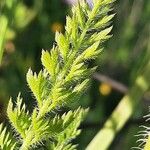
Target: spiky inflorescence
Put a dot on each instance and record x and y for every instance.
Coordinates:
(64, 78)
(144, 137)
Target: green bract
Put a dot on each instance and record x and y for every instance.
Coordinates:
(64, 78)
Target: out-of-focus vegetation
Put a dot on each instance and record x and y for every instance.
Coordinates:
(31, 27)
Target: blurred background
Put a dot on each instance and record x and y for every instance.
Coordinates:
(31, 27)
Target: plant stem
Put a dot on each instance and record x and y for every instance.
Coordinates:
(123, 111)
(4, 21)
(147, 146)
(3, 25)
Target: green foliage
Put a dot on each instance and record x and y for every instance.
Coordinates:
(14, 15)
(5, 18)
(63, 80)
(6, 139)
(19, 117)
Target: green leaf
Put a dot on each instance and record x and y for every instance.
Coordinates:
(63, 44)
(92, 51)
(68, 26)
(38, 85)
(19, 117)
(80, 15)
(81, 87)
(101, 36)
(50, 62)
(7, 142)
(69, 124)
(104, 21)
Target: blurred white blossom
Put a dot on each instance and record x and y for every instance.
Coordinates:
(72, 2)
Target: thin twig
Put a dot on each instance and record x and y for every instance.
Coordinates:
(113, 83)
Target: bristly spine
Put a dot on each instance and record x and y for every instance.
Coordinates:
(144, 136)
